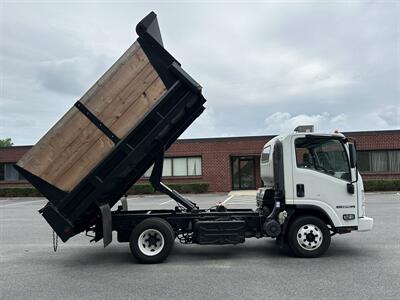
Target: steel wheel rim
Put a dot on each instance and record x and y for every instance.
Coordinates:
(151, 242)
(309, 237)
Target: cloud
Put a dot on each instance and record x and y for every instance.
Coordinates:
(66, 76)
(206, 126)
(391, 115)
(336, 65)
(284, 122)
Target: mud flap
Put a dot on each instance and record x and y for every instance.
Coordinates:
(106, 221)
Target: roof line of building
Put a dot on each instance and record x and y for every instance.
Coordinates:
(367, 132)
(251, 137)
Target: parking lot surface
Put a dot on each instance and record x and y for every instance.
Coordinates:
(357, 265)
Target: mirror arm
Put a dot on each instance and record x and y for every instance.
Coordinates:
(354, 181)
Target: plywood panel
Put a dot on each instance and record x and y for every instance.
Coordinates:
(121, 127)
(135, 113)
(46, 151)
(120, 99)
(86, 163)
(89, 135)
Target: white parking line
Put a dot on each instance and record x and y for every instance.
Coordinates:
(166, 202)
(242, 200)
(227, 199)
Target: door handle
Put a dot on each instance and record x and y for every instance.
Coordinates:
(300, 190)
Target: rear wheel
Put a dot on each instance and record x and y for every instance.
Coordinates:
(151, 240)
(309, 237)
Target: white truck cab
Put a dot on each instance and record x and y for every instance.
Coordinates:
(321, 184)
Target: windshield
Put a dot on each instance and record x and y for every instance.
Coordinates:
(324, 155)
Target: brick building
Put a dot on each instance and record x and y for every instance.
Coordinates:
(233, 162)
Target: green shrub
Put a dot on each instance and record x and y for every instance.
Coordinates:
(382, 185)
(195, 188)
(19, 192)
(142, 188)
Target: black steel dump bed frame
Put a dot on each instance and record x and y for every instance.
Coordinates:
(76, 211)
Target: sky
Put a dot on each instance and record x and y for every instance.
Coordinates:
(265, 66)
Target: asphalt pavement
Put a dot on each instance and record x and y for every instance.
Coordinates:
(357, 265)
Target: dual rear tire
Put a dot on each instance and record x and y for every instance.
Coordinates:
(151, 240)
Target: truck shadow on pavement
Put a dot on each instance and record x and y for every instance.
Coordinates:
(189, 254)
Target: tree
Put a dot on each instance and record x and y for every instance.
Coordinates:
(6, 143)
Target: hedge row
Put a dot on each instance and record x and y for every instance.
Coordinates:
(382, 185)
(195, 188)
(19, 192)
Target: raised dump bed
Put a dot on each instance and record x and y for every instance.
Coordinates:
(113, 134)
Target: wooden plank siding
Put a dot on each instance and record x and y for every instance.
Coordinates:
(120, 99)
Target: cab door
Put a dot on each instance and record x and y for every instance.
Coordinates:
(321, 174)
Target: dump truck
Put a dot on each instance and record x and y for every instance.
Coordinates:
(123, 125)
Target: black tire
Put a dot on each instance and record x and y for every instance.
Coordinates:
(308, 241)
(156, 238)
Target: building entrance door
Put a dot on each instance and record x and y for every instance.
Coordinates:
(243, 173)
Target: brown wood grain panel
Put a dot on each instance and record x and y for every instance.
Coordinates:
(133, 115)
(61, 135)
(121, 127)
(71, 156)
(120, 99)
(46, 151)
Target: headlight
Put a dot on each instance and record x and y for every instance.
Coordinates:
(348, 217)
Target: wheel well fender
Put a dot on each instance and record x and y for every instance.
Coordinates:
(306, 210)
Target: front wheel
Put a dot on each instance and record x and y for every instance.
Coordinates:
(309, 237)
(151, 240)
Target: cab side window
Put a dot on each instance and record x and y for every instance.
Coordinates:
(327, 156)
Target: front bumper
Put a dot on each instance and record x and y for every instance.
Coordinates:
(365, 224)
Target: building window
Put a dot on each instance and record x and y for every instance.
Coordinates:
(194, 166)
(167, 167)
(9, 173)
(394, 161)
(379, 161)
(363, 161)
(179, 166)
(1, 172)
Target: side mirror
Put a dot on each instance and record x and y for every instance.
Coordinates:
(350, 188)
(353, 155)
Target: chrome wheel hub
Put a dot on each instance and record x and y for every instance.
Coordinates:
(151, 242)
(309, 237)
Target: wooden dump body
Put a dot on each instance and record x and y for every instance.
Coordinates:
(119, 99)
(113, 134)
